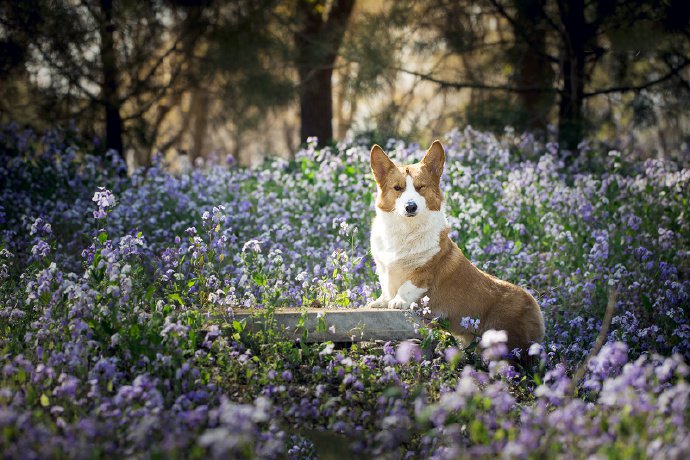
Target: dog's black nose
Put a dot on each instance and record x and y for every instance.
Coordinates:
(411, 207)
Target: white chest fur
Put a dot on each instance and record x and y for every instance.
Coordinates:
(399, 245)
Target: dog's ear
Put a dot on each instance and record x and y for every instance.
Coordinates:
(434, 159)
(381, 165)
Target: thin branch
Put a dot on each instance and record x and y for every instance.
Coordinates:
(64, 72)
(474, 85)
(157, 94)
(626, 88)
(161, 59)
(601, 339)
(519, 30)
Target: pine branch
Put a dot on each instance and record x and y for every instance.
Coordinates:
(476, 85)
(627, 88)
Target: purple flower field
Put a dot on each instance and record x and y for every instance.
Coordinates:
(117, 294)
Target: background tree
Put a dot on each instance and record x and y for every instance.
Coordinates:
(115, 62)
(320, 32)
(569, 44)
(242, 72)
(533, 66)
(250, 77)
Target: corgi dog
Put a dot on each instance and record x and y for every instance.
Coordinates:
(415, 257)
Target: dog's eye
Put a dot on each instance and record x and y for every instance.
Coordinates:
(397, 188)
(421, 187)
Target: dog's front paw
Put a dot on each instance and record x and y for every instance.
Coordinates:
(378, 303)
(398, 303)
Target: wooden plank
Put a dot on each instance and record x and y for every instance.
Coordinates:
(342, 325)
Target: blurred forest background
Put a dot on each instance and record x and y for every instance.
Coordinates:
(250, 77)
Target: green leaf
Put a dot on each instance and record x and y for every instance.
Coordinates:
(149, 292)
(392, 392)
(647, 303)
(45, 402)
(478, 432)
(259, 279)
(176, 298)
(134, 331)
(102, 237)
(343, 300)
(321, 326)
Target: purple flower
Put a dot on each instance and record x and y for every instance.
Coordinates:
(451, 353)
(471, 324)
(41, 227)
(407, 351)
(104, 198)
(494, 344)
(252, 245)
(40, 249)
(535, 349)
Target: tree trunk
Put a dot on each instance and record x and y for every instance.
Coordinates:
(316, 105)
(109, 88)
(200, 103)
(339, 104)
(317, 43)
(570, 111)
(533, 67)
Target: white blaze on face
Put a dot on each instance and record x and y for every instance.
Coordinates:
(410, 199)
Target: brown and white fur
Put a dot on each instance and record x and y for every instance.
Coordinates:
(415, 257)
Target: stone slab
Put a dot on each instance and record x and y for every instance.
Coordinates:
(350, 325)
